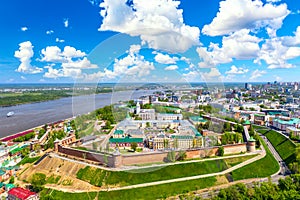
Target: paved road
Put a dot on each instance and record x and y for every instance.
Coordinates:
(246, 133)
(207, 194)
(284, 170)
(126, 168)
(261, 155)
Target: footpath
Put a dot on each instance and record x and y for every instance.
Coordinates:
(262, 154)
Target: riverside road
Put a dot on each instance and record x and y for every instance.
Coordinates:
(31, 115)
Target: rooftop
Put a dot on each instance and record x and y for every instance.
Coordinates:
(182, 137)
(293, 128)
(198, 119)
(16, 150)
(21, 193)
(2, 172)
(291, 122)
(247, 122)
(119, 132)
(126, 140)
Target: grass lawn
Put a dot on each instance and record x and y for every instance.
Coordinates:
(53, 179)
(284, 146)
(80, 148)
(258, 127)
(88, 131)
(262, 168)
(235, 161)
(151, 192)
(101, 177)
(26, 159)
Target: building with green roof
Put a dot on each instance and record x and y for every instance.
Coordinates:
(247, 122)
(126, 142)
(118, 133)
(182, 137)
(282, 124)
(9, 186)
(195, 131)
(2, 172)
(195, 120)
(16, 150)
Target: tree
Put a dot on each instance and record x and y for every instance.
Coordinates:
(176, 143)
(37, 181)
(12, 180)
(147, 124)
(181, 156)
(25, 152)
(221, 151)
(239, 128)
(107, 125)
(166, 143)
(257, 141)
(171, 156)
(133, 146)
(251, 131)
(227, 126)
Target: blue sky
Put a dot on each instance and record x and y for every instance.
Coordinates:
(55, 41)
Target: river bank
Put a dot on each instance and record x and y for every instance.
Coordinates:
(32, 115)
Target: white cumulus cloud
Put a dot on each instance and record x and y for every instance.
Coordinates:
(59, 40)
(159, 23)
(24, 28)
(239, 45)
(24, 54)
(276, 55)
(71, 61)
(213, 73)
(49, 32)
(132, 66)
(236, 70)
(235, 15)
(165, 59)
(256, 74)
(55, 54)
(66, 22)
(171, 67)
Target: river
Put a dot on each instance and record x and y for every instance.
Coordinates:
(31, 115)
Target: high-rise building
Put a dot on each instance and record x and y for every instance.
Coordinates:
(248, 86)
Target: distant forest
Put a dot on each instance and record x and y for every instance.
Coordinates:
(11, 98)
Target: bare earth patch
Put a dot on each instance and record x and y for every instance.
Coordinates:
(58, 167)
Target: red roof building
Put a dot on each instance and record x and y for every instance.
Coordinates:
(21, 194)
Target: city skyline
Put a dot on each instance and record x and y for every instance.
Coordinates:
(157, 41)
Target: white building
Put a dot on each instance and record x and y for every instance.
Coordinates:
(147, 114)
(169, 116)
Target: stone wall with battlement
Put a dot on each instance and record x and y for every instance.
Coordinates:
(118, 160)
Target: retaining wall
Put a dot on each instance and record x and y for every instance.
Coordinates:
(114, 160)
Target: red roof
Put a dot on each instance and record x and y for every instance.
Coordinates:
(11, 137)
(21, 193)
